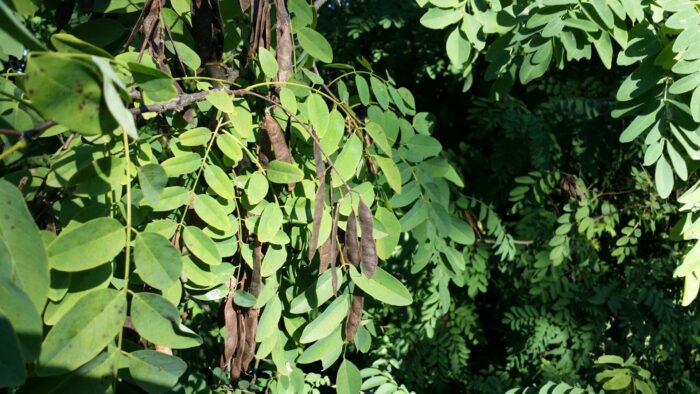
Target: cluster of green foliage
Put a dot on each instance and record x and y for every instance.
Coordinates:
(157, 235)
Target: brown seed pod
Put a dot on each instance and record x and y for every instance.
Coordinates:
(334, 251)
(316, 227)
(238, 358)
(369, 251)
(352, 245)
(251, 328)
(231, 324)
(355, 314)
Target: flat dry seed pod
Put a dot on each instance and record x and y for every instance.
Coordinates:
(369, 249)
(256, 277)
(352, 245)
(238, 358)
(279, 144)
(251, 328)
(316, 227)
(231, 323)
(334, 251)
(318, 161)
(355, 314)
(324, 257)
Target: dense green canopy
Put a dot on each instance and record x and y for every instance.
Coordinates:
(349, 195)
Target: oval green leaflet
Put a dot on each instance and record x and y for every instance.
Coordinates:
(154, 371)
(104, 237)
(270, 222)
(83, 332)
(383, 287)
(320, 291)
(158, 321)
(331, 317)
(211, 212)
(158, 262)
(282, 172)
(201, 246)
(195, 137)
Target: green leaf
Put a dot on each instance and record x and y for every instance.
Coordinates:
(663, 177)
(377, 133)
(56, 78)
(347, 161)
(242, 121)
(171, 198)
(114, 101)
(677, 161)
(157, 261)
(201, 246)
(438, 18)
(324, 324)
(320, 291)
(71, 44)
(157, 86)
(188, 56)
(695, 105)
(383, 287)
(219, 182)
(16, 30)
(423, 147)
(362, 89)
(23, 243)
(283, 172)
(154, 371)
(461, 232)
(199, 136)
(257, 188)
(618, 382)
(152, 179)
(288, 100)
(244, 299)
(230, 147)
(13, 372)
(315, 44)
(17, 308)
(390, 171)
(386, 245)
(83, 332)
(414, 217)
(458, 48)
(158, 321)
(639, 125)
(270, 222)
(103, 237)
(380, 92)
(318, 113)
(269, 320)
(221, 100)
(268, 63)
(348, 380)
(185, 163)
(211, 212)
(324, 348)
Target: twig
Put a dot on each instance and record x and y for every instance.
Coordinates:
(515, 241)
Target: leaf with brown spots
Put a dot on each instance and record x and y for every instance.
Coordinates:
(352, 245)
(369, 249)
(355, 314)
